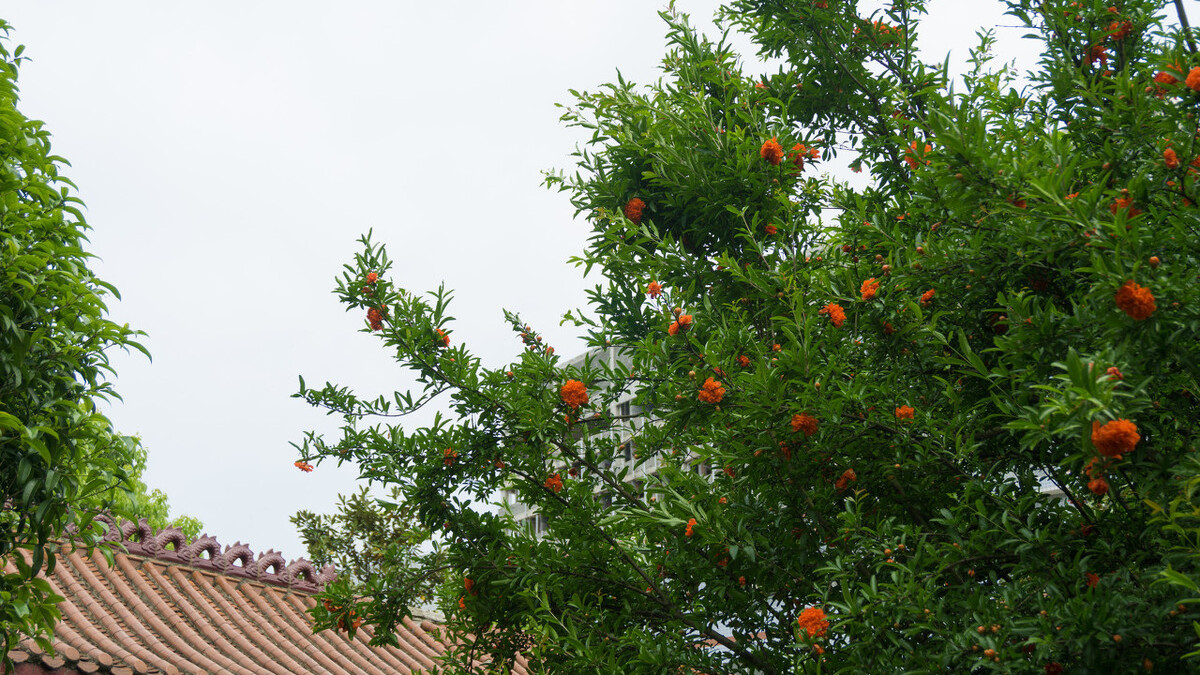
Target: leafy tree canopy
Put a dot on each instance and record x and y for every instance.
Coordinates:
(950, 415)
(372, 542)
(131, 498)
(60, 461)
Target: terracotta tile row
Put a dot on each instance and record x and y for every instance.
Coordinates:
(151, 614)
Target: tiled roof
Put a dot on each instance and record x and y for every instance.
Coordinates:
(172, 611)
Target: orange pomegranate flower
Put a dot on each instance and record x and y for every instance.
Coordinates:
(1120, 29)
(1193, 79)
(375, 318)
(303, 466)
(372, 277)
(927, 297)
(1092, 579)
(837, 315)
(711, 391)
(848, 476)
(804, 422)
(1097, 53)
(354, 624)
(654, 289)
(448, 456)
(633, 210)
(1124, 203)
(771, 229)
(1115, 438)
(868, 289)
(1098, 486)
(683, 323)
(797, 156)
(442, 338)
(469, 585)
(911, 156)
(799, 153)
(772, 151)
(812, 622)
(1163, 77)
(691, 523)
(554, 483)
(1136, 301)
(1171, 159)
(574, 394)
(905, 412)
(1115, 373)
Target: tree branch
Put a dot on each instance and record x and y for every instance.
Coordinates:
(1183, 22)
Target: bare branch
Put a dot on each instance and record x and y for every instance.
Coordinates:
(1183, 22)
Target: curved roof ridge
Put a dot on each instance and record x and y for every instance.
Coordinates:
(268, 567)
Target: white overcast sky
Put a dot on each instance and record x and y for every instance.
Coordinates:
(230, 153)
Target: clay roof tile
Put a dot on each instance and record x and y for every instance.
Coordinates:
(159, 610)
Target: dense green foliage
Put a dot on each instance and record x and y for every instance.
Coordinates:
(60, 461)
(130, 498)
(372, 541)
(952, 413)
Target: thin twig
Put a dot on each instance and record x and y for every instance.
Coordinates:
(1183, 22)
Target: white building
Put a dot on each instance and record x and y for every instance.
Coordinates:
(619, 424)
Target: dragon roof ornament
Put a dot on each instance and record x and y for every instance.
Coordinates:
(171, 545)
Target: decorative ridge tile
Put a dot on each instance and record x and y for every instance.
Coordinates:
(269, 567)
